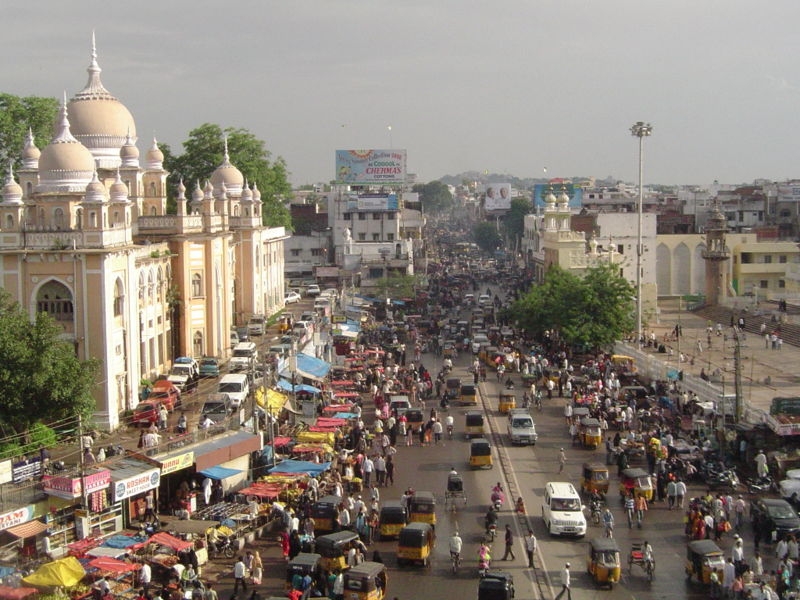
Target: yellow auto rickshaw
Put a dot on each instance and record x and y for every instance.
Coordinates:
(366, 581)
(415, 544)
(702, 558)
(589, 433)
(333, 548)
(325, 513)
(489, 354)
(303, 564)
(604, 563)
(475, 424)
(393, 517)
(469, 395)
(284, 325)
(422, 508)
(480, 453)
(594, 478)
(637, 482)
(507, 402)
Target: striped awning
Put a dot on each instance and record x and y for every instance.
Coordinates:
(29, 529)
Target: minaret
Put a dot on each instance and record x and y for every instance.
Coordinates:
(716, 255)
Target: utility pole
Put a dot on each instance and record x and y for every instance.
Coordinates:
(737, 377)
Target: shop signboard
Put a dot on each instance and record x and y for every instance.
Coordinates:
(26, 469)
(137, 484)
(179, 462)
(16, 517)
(70, 488)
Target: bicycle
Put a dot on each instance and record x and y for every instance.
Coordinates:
(455, 559)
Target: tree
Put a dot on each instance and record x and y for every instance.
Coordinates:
(435, 196)
(398, 285)
(204, 151)
(515, 218)
(486, 236)
(594, 310)
(41, 379)
(17, 114)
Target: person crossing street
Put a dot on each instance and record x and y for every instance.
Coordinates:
(509, 544)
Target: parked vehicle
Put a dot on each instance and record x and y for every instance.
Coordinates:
(217, 407)
(333, 548)
(209, 366)
(291, 298)
(256, 324)
(313, 290)
(366, 581)
(774, 514)
(702, 557)
(167, 393)
(237, 386)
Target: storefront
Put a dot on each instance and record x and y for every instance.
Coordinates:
(99, 515)
(227, 458)
(132, 480)
(18, 531)
(175, 490)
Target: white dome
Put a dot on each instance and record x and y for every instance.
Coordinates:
(65, 164)
(228, 174)
(129, 154)
(95, 191)
(118, 191)
(30, 153)
(12, 191)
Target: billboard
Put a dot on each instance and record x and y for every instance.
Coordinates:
(575, 193)
(498, 196)
(370, 167)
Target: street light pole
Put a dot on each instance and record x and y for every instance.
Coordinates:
(641, 130)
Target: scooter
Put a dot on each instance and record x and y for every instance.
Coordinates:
(484, 563)
(498, 497)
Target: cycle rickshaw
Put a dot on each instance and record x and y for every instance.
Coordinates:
(637, 557)
(455, 491)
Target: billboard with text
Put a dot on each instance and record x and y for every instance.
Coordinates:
(498, 196)
(370, 167)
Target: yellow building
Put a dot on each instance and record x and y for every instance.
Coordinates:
(84, 236)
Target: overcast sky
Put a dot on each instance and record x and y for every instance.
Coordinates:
(504, 86)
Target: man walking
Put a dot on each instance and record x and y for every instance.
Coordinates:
(509, 544)
(562, 460)
(530, 547)
(239, 574)
(565, 583)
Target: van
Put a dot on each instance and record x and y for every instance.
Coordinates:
(244, 355)
(521, 429)
(562, 511)
(399, 405)
(237, 386)
(255, 326)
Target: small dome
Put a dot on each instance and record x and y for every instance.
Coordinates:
(247, 194)
(155, 158)
(563, 198)
(256, 193)
(95, 191)
(65, 163)
(30, 153)
(12, 191)
(228, 174)
(118, 191)
(181, 190)
(208, 191)
(197, 193)
(550, 198)
(129, 153)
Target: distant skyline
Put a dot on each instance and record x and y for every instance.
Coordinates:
(513, 86)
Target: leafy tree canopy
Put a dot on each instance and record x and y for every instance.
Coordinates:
(486, 236)
(515, 219)
(41, 379)
(594, 310)
(398, 285)
(435, 196)
(17, 114)
(204, 151)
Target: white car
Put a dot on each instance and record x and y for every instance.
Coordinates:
(331, 293)
(313, 290)
(291, 298)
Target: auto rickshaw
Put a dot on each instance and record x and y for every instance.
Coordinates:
(415, 544)
(469, 395)
(496, 585)
(284, 323)
(636, 481)
(507, 402)
(589, 433)
(580, 412)
(475, 424)
(333, 549)
(325, 513)
(480, 453)
(453, 386)
(702, 557)
(305, 563)
(594, 478)
(393, 517)
(422, 508)
(488, 355)
(604, 563)
(414, 419)
(366, 581)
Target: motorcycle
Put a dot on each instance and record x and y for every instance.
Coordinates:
(224, 547)
(509, 384)
(717, 475)
(484, 563)
(760, 485)
(449, 432)
(498, 498)
(596, 511)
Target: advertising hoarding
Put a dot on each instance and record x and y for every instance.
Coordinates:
(370, 167)
(497, 197)
(575, 193)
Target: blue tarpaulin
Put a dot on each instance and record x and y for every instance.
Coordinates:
(300, 387)
(219, 472)
(122, 541)
(300, 466)
(345, 415)
(311, 367)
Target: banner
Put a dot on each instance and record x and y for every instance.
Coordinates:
(498, 197)
(138, 484)
(540, 190)
(177, 463)
(16, 517)
(371, 167)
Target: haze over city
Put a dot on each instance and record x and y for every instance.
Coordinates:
(504, 87)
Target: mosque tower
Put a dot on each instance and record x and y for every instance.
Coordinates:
(716, 255)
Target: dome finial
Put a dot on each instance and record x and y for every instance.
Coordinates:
(227, 158)
(94, 88)
(63, 134)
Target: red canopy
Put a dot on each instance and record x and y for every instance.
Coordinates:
(346, 395)
(263, 490)
(323, 428)
(10, 593)
(330, 422)
(336, 408)
(342, 383)
(166, 539)
(282, 440)
(112, 565)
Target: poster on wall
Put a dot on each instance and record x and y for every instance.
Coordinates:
(371, 167)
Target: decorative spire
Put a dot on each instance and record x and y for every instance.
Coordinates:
(181, 190)
(94, 87)
(63, 134)
(12, 191)
(227, 158)
(118, 191)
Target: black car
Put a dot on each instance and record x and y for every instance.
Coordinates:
(217, 408)
(774, 514)
(244, 335)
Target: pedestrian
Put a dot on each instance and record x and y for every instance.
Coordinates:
(562, 460)
(680, 492)
(211, 593)
(565, 583)
(389, 470)
(530, 547)
(509, 544)
(257, 568)
(239, 573)
(672, 491)
(145, 577)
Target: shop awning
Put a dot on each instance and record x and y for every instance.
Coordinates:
(112, 565)
(170, 541)
(270, 400)
(193, 527)
(309, 367)
(226, 447)
(219, 473)
(29, 529)
(107, 552)
(300, 466)
(300, 387)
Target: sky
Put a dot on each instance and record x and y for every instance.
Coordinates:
(503, 86)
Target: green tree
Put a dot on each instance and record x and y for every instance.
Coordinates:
(398, 285)
(204, 151)
(41, 379)
(486, 236)
(435, 196)
(594, 310)
(17, 114)
(515, 218)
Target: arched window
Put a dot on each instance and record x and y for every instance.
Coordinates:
(58, 218)
(92, 219)
(150, 288)
(115, 218)
(160, 286)
(41, 218)
(153, 211)
(28, 189)
(55, 299)
(9, 221)
(79, 219)
(141, 288)
(246, 212)
(119, 298)
(197, 286)
(236, 211)
(152, 189)
(197, 343)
